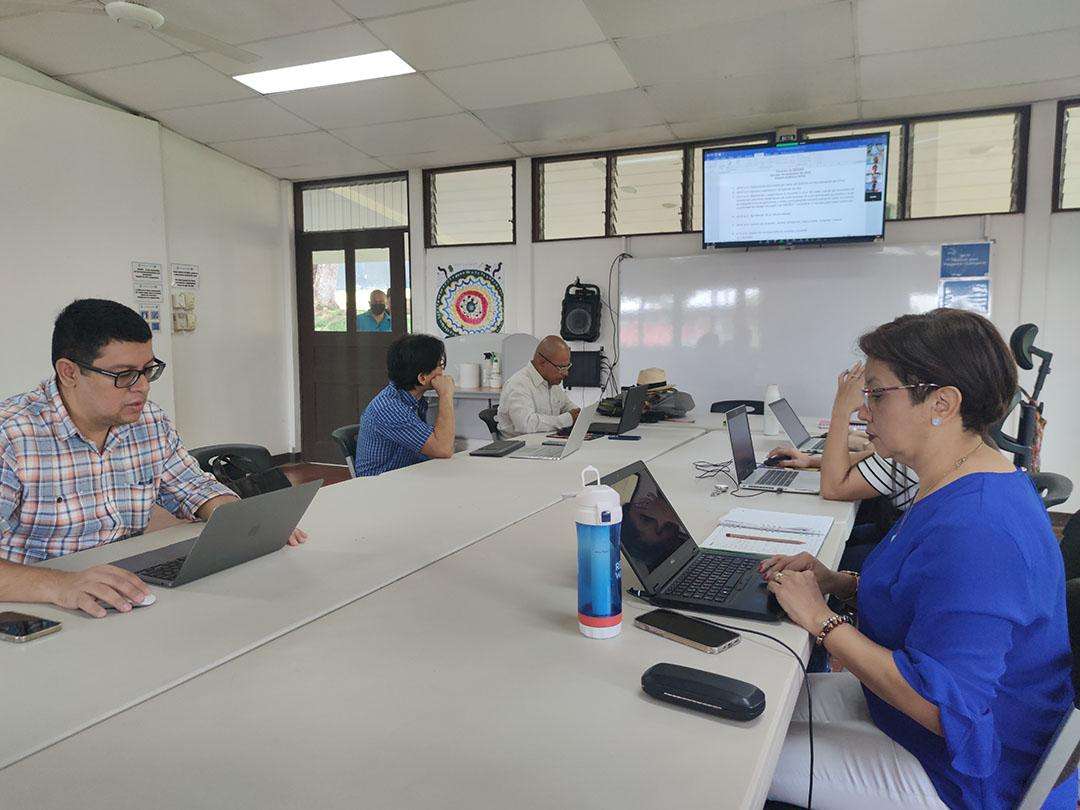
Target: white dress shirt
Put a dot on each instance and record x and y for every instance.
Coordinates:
(528, 404)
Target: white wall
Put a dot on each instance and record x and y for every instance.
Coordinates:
(87, 189)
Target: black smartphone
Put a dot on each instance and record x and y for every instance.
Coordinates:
(687, 630)
(24, 627)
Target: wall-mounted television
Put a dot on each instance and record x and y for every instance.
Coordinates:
(808, 192)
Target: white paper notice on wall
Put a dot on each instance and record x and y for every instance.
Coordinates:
(148, 293)
(148, 272)
(185, 276)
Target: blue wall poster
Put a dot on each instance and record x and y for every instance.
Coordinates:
(965, 260)
(971, 294)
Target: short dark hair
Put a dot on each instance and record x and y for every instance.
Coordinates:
(949, 347)
(412, 355)
(85, 326)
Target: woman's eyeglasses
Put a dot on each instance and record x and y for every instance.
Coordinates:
(871, 396)
(128, 379)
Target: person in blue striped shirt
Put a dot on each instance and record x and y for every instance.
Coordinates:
(394, 431)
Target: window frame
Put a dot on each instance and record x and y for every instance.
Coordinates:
(1059, 137)
(429, 242)
(609, 156)
(300, 186)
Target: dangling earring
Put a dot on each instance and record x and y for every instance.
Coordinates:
(935, 422)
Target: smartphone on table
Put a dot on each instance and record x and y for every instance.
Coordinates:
(696, 633)
(20, 627)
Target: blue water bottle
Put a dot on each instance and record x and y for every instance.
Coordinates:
(599, 521)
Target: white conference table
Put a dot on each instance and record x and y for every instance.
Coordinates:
(365, 534)
(464, 684)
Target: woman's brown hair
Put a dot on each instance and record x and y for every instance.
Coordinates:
(949, 347)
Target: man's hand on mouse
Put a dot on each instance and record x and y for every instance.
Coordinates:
(84, 590)
(790, 457)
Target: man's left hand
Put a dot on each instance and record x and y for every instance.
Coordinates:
(297, 537)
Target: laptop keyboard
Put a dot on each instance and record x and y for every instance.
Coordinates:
(776, 478)
(714, 577)
(166, 571)
(545, 451)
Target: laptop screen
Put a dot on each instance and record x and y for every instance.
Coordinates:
(790, 422)
(742, 446)
(651, 530)
(632, 404)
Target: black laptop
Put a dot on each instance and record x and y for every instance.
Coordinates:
(672, 570)
(633, 403)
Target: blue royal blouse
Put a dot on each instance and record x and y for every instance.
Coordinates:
(968, 591)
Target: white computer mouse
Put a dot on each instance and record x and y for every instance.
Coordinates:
(149, 600)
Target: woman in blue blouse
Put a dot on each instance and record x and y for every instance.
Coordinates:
(961, 653)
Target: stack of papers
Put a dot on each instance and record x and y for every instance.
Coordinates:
(756, 531)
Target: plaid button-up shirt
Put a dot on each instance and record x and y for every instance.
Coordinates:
(60, 494)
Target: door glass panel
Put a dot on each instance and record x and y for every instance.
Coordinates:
(374, 306)
(328, 283)
(408, 288)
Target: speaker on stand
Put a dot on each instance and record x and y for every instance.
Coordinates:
(581, 310)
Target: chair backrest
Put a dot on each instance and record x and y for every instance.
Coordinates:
(1060, 758)
(752, 405)
(258, 455)
(345, 439)
(489, 416)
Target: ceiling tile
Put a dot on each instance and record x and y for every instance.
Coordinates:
(57, 43)
(233, 121)
(330, 168)
(239, 21)
(983, 98)
(289, 150)
(398, 98)
(832, 83)
(805, 37)
(754, 124)
(641, 136)
(452, 157)
(581, 71)
(485, 30)
(425, 135)
(1017, 60)
(642, 18)
(886, 26)
(573, 117)
(299, 49)
(381, 8)
(182, 81)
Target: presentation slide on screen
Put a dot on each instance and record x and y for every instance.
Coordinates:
(817, 190)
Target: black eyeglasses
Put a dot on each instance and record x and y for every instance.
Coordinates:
(128, 379)
(563, 367)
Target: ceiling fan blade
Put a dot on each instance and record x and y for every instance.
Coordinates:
(208, 42)
(21, 5)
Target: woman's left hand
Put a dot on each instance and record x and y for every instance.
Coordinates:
(800, 596)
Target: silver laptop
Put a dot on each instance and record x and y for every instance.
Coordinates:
(750, 475)
(793, 427)
(554, 452)
(236, 533)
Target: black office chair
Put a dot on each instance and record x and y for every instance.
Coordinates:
(257, 455)
(1070, 550)
(345, 439)
(488, 417)
(1054, 489)
(752, 405)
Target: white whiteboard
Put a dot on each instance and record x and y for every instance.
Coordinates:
(725, 325)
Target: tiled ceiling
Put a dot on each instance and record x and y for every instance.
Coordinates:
(504, 78)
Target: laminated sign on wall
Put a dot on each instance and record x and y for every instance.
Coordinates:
(965, 277)
(147, 292)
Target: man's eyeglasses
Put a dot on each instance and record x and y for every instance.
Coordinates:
(560, 367)
(871, 396)
(128, 379)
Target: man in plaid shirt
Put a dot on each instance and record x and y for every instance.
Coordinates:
(83, 458)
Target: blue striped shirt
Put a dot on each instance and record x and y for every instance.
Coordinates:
(392, 431)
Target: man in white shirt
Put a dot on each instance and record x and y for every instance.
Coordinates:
(533, 399)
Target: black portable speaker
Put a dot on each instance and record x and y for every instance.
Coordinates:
(581, 312)
(704, 691)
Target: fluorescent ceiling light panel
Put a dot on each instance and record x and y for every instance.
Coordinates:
(322, 74)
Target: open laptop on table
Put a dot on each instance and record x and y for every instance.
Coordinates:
(750, 475)
(554, 452)
(236, 533)
(633, 403)
(793, 427)
(671, 567)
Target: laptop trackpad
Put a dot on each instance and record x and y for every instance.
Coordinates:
(138, 562)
